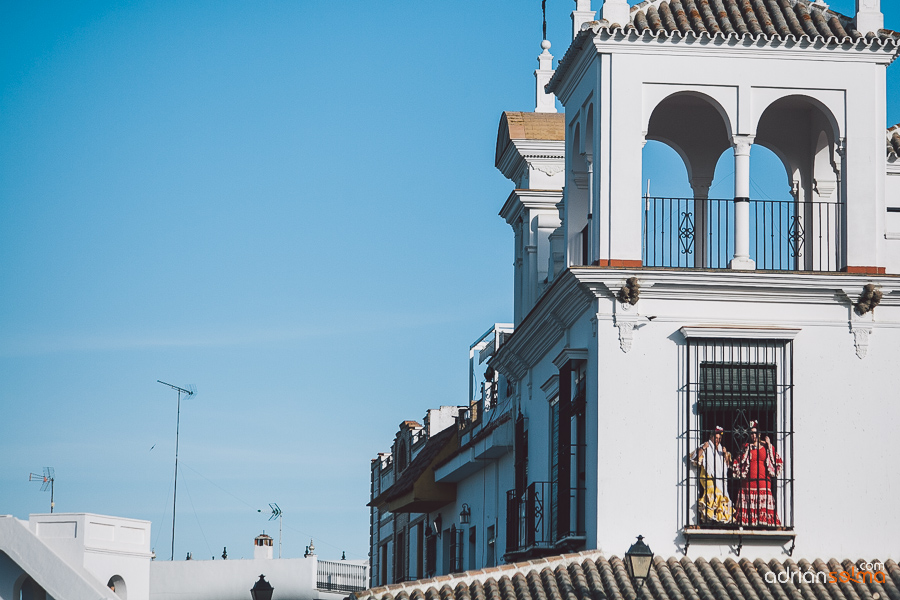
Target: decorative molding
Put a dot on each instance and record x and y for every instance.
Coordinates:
(547, 168)
(570, 354)
(743, 333)
(626, 334)
(861, 339)
(551, 386)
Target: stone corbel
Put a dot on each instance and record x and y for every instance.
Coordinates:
(860, 326)
(626, 319)
(861, 335)
(580, 178)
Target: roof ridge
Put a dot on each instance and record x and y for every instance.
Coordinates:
(468, 577)
(721, 574)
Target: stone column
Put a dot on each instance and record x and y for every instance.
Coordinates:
(701, 185)
(742, 260)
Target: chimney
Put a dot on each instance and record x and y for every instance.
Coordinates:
(262, 546)
(616, 11)
(581, 15)
(869, 16)
(544, 102)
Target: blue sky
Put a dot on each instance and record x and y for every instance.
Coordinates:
(290, 205)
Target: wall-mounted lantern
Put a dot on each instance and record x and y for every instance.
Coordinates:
(436, 525)
(465, 515)
(637, 562)
(262, 589)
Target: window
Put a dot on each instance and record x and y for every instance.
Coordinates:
(420, 542)
(739, 434)
(453, 550)
(567, 448)
(401, 565)
(491, 559)
(383, 560)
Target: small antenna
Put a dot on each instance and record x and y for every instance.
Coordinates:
(187, 394)
(47, 480)
(277, 514)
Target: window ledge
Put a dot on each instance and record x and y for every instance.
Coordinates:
(699, 533)
(781, 535)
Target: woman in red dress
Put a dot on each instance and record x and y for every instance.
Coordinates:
(757, 465)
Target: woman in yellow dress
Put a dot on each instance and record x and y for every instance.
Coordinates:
(712, 460)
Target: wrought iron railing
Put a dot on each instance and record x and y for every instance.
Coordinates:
(341, 576)
(784, 234)
(530, 519)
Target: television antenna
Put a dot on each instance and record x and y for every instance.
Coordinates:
(46, 480)
(187, 394)
(276, 514)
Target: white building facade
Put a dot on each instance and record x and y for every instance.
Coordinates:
(643, 325)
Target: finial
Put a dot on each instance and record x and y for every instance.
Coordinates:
(544, 102)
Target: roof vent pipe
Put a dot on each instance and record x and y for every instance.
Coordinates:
(581, 15)
(869, 16)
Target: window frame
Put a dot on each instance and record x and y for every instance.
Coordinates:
(759, 349)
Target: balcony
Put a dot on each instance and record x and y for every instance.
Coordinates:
(532, 521)
(783, 235)
(341, 576)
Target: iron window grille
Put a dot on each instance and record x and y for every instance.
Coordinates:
(736, 384)
(456, 549)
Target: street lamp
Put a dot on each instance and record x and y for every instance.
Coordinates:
(262, 589)
(637, 562)
(465, 514)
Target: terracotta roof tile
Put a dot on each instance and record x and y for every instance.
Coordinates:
(591, 576)
(771, 18)
(893, 141)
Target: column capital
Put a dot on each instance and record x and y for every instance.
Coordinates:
(742, 144)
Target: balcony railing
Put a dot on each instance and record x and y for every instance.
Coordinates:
(784, 234)
(531, 518)
(341, 576)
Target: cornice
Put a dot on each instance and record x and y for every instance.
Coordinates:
(521, 200)
(520, 153)
(576, 289)
(739, 286)
(746, 47)
(560, 306)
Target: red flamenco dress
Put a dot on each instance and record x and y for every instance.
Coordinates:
(755, 469)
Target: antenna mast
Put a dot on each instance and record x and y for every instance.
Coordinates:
(187, 394)
(277, 514)
(47, 480)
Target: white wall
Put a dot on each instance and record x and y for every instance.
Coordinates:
(843, 410)
(293, 579)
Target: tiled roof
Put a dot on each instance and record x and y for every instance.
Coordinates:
(893, 141)
(773, 19)
(528, 126)
(590, 576)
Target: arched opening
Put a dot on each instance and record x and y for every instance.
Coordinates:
(578, 200)
(27, 588)
(804, 135)
(117, 584)
(679, 218)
